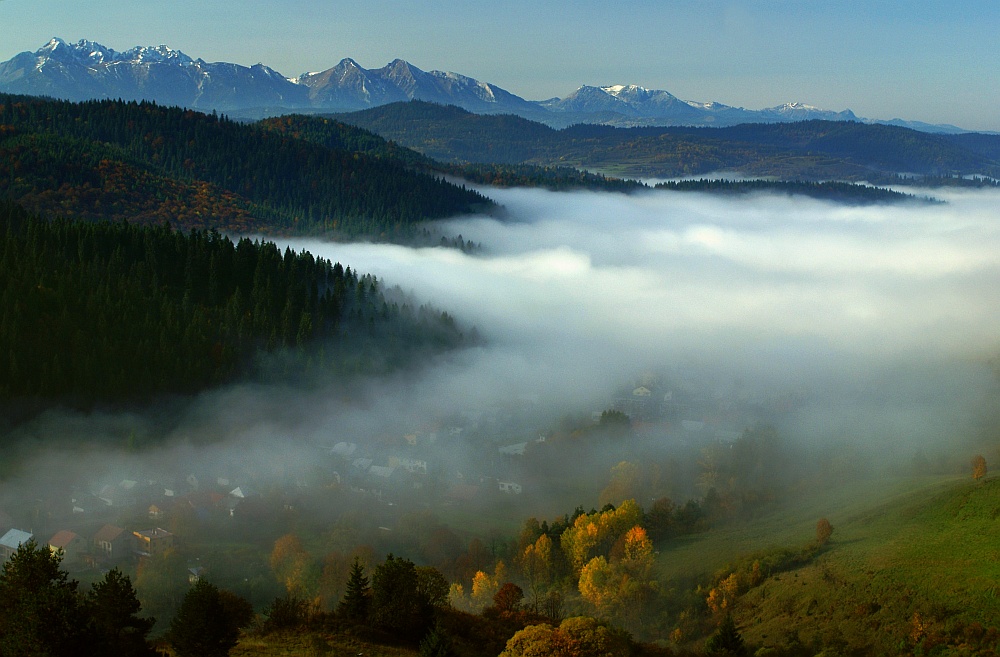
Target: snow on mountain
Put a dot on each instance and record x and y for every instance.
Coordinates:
(802, 112)
(348, 86)
(87, 70)
(157, 55)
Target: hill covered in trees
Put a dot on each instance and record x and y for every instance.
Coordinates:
(808, 150)
(334, 134)
(849, 193)
(148, 163)
(113, 311)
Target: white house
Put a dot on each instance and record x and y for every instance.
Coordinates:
(11, 541)
(516, 449)
(509, 487)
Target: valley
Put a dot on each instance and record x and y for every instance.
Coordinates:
(264, 355)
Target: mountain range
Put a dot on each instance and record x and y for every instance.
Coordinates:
(87, 70)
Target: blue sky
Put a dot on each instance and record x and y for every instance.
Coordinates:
(925, 60)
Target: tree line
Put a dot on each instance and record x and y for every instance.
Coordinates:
(101, 311)
(811, 150)
(71, 157)
(841, 192)
(335, 134)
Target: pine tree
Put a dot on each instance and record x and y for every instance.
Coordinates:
(727, 640)
(398, 606)
(202, 627)
(40, 610)
(355, 602)
(114, 609)
(436, 643)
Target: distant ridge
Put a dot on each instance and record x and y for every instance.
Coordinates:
(87, 70)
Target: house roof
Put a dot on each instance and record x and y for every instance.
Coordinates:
(63, 539)
(344, 449)
(14, 538)
(108, 533)
(153, 533)
(381, 471)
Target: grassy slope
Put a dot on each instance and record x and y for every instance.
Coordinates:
(306, 644)
(922, 562)
(923, 546)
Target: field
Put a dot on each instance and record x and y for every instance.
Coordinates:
(916, 569)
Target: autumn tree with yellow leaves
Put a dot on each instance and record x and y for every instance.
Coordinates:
(295, 568)
(621, 588)
(978, 467)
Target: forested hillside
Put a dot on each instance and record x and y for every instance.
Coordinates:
(334, 134)
(841, 192)
(113, 311)
(148, 163)
(808, 150)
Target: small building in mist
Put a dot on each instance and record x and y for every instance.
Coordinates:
(509, 487)
(112, 543)
(71, 545)
(517, 449)
(150, 542)
(12, 540)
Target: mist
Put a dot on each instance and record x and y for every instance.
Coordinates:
(873, 326)
(869, 307)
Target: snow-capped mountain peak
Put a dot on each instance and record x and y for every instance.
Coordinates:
(158, 54)
(86, 70)
(796, 106)
(84, 51)
(616, 89)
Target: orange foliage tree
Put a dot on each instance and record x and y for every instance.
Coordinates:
(978, 467)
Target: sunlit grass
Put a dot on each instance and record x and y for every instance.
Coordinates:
(909, 558)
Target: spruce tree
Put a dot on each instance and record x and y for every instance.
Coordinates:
(727, 640)
(202, 627)
(114, 608)
(398, 606)
(40, 610)
(355, 602)
(436, 643)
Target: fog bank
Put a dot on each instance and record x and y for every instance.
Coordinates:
(577, 293)
(874, 325)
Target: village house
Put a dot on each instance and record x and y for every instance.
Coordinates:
(509, 487)
(12, 540)
(241, 492)
(517, 449)
(415, 466)
(344, 449)
(112, 543)
(149, 542)
(70, 544)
